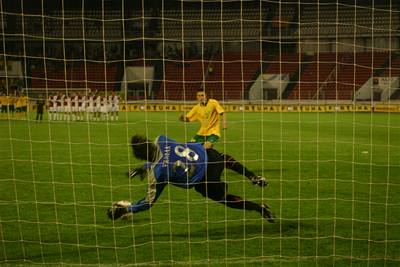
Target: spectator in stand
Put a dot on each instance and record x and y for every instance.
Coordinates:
(210, 70)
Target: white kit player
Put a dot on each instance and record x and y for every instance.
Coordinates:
(60, 106)
(90, 107)
(52, 107)
(114, 106)
(67, 108)
(104, 108)
(82, 106)
(75, 106)
(97, 107)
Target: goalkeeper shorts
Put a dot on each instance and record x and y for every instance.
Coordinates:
(212, 186)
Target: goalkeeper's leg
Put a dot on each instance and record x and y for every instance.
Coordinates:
(237, 202)
(232, 164)
(217, 192)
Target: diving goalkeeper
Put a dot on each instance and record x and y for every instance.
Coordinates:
(186, 165)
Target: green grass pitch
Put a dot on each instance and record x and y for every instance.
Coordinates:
(334, 186)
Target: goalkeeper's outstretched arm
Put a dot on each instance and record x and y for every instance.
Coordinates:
(147, 202)
(154, 191)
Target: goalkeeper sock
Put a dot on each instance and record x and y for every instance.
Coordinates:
(237, 202)
(232, 164)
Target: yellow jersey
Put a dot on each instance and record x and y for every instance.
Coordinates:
(3, 100)
(209, 116)
(10, 100)
(23, 101)
(18, 102)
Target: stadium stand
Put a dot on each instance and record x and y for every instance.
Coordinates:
(317, 73)
(232, 75)
(96, 76)
(284, 63)
(393, 67)
(323, 20)
(337, 76)
(181, 81)
(212, 24)
(320, 76)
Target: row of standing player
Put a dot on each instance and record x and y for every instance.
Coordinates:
(79, 107)
(13, 106)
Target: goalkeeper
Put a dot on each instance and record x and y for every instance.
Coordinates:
(186, 165)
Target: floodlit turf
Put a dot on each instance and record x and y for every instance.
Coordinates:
(334, 186)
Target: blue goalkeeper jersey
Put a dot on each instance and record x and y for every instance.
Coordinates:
(182, 164)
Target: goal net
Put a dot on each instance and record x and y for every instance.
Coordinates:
(304, 94)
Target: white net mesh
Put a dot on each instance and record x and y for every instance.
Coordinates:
(311, 94)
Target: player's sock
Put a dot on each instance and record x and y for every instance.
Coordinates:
(259, 180)
(237, 202)
(236, 166)
(267, 213)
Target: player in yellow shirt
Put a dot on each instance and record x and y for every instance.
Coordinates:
(21, 106)
(24, 105)
(17, 105)
(12, 99)
(4, 105)
(208, 113)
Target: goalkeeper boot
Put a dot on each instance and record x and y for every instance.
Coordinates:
(259, 180)
(116, 212)
(267, 213)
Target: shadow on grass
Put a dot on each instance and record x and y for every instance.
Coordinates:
(237, 230)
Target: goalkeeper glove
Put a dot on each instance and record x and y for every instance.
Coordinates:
(119, 209)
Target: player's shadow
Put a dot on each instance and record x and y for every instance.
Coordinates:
(268, 171)
(233, 230)
(251, 229)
